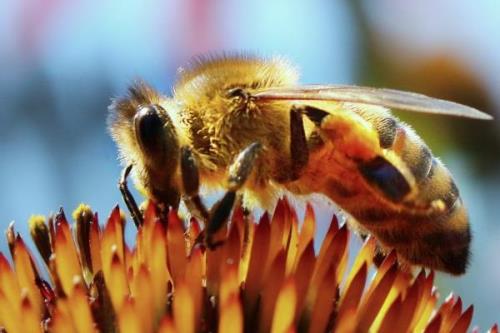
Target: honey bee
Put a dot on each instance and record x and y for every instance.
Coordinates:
(244, 122)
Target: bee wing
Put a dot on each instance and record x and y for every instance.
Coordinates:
(390, 98)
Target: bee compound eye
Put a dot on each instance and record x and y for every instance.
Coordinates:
(148, 126)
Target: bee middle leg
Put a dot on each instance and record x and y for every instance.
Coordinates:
(298, 148)
(218, 215)
(299, 151)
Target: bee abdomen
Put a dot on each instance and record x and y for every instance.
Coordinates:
(440, 240)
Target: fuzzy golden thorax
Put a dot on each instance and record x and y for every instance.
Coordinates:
(220, 116)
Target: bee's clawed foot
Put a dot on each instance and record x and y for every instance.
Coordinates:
(219, 215)
(203, 243)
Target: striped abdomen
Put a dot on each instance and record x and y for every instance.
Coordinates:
(439, 240)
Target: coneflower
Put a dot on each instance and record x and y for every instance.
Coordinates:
(265, 277)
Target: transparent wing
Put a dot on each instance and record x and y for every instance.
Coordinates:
(390, 98)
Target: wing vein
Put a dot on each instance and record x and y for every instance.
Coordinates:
(390, 98)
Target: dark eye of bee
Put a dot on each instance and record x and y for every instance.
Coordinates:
(149, 128)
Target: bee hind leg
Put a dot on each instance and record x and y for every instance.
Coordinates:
(350, 133)
(129, 198)
(358, 140)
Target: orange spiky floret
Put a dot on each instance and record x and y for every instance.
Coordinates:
(266, 277)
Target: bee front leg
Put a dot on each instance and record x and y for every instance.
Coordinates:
(129, 198)
(191, 185)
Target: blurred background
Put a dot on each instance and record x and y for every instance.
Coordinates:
(62, 61)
